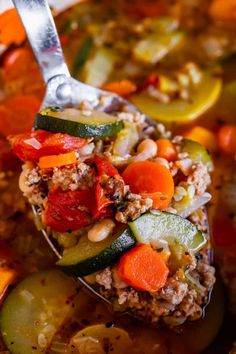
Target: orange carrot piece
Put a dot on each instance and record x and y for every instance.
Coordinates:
(143, 268)
(122, 88)
(223, 10)
(57, 160)
(11, 28)
(166, 149)
(7, 277)
(227, 139)
(150, 179)
(17, 114)
(203, 136)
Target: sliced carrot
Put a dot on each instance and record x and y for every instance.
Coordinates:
(7, 277)
(143, 268)
(166, 149)
(203, 136)
(57, 160)
(11, 28)
(122, 88)
(150, 179)
(227, 139)
(17, 114)
(223, 10)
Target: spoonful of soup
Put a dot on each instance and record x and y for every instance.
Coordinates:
(119, 200)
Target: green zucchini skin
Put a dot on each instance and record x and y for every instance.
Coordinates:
(109, 256)
(169, 227)
(77, 129)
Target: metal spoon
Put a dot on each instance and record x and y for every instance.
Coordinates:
(61, 88)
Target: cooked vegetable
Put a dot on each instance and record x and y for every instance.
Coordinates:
(152, 180)
(196, 152)
(203, 96)
(223, 10)
(203, 136)
(227, 139)
(100, 339)
(57, 160)
(153, 227)
(77, 123)
(98, 69)
(16, 61)
(32, 146)
(126, 140)
(82, 55)
(88, 257)
(17, 114)
(156, 46)
(166, 149)
(189, 204)
(7, 276)
(68, 210)
(42, 302)
(122, 88)
(103, 189)
(143, 268)
(11, 28)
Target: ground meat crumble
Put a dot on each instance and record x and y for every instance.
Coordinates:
(172, 305)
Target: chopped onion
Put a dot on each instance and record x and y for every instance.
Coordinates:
(196, 203)
(58, 347)
(34, 143)
(193, 282)
(27, 296)
(87, 345)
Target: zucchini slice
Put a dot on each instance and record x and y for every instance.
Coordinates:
(203, 96)
(35, 310)
(96, 338)
(76, 123)
(197, 152)
(88, 257)
(169, 227)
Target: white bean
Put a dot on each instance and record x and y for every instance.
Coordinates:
(101, 230)
(23, 178)
(146, 150)
(87, 149)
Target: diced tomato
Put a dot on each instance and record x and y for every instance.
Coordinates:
(32, 146)
(104, 167)
(64, 39)
(69, 210)
(151, 80)
(103, 189)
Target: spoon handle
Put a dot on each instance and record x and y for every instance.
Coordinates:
(42, 34)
